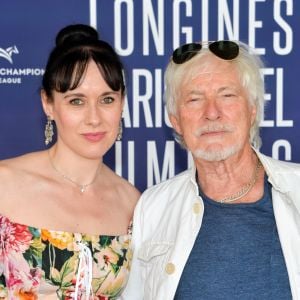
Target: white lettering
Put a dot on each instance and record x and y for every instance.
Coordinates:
(131, 155)
(224, 19)
(137, 97)
(118, 28)
(267, 97)
(126, 114)
(287, 48)
(253, 24)
(280, 122)
(187, 31)
(22, 72)
(118, 157)
(129, 161)
(168, 169)
(282, 144)
(9, 80)
(279, 101)
(205, 20)
(157, 29)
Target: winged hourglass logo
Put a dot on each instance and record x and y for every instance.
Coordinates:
(7, 53)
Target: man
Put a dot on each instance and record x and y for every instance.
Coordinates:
(229, 228)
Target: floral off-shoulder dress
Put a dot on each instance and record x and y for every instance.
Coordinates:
(46, 264)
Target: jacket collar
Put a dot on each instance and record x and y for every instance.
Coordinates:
(275, 176)
(193, 178)
(275, 171)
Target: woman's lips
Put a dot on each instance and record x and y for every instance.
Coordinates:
(94, 136)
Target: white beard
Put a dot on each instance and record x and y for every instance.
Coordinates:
(216, 155)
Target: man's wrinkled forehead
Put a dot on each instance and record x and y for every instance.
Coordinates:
(210, 65)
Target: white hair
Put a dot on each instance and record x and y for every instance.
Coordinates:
(248, 66)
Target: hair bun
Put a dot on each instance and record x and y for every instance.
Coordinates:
(76, 33)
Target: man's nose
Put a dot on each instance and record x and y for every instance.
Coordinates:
(212, 109)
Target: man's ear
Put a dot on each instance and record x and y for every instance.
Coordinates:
(175, 123)
(253, 112)
(47, 104)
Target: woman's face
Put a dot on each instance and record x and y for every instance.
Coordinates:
(87, 118)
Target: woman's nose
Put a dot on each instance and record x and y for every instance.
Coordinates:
(93, 115)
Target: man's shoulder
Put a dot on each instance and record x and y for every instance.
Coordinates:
(166, 197)
(279, 166)
(175, 182)
(284, 176)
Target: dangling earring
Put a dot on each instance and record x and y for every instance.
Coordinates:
(120, 133)
(48, 131)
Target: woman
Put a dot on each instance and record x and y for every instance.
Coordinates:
(65, 216)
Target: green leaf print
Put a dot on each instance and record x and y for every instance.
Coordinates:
(115, 268)
(68, 270)
(55, 276)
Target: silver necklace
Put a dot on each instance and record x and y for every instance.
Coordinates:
(245, 189)
(82, 187)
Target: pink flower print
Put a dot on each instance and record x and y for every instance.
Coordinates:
(13, 237)
(19, 273)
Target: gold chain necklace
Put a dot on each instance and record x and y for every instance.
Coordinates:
(82, 187)
(246, 189)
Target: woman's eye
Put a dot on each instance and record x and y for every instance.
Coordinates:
(76, 101)
(107, 100)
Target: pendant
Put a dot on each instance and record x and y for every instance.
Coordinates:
(82, 188)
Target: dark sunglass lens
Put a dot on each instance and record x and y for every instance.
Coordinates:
(185, 52)
(225, 49)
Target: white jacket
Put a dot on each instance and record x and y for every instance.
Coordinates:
(168, 218)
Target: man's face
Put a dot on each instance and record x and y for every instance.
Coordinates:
(213, 113)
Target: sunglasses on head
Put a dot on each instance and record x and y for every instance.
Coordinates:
(227, 50)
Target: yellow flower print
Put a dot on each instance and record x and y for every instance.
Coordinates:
(94, 240)
(23, 295)
(61, 240)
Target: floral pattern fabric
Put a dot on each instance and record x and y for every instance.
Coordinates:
(44, 264)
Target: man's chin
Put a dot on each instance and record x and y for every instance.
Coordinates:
(215, 154)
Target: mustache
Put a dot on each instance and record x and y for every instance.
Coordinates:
(213, 128)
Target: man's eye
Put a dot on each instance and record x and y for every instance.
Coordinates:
(107, 100)
(228, 95)
(194, 101)
(76, 101)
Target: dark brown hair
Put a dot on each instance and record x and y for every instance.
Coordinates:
(76, 46)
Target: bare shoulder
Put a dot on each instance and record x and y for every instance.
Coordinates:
(130, 190)
(24, 163)
(124, 188)
(17, 174)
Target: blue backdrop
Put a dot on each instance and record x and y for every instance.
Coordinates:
(144, 33)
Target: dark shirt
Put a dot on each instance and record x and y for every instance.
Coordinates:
(237, 254)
